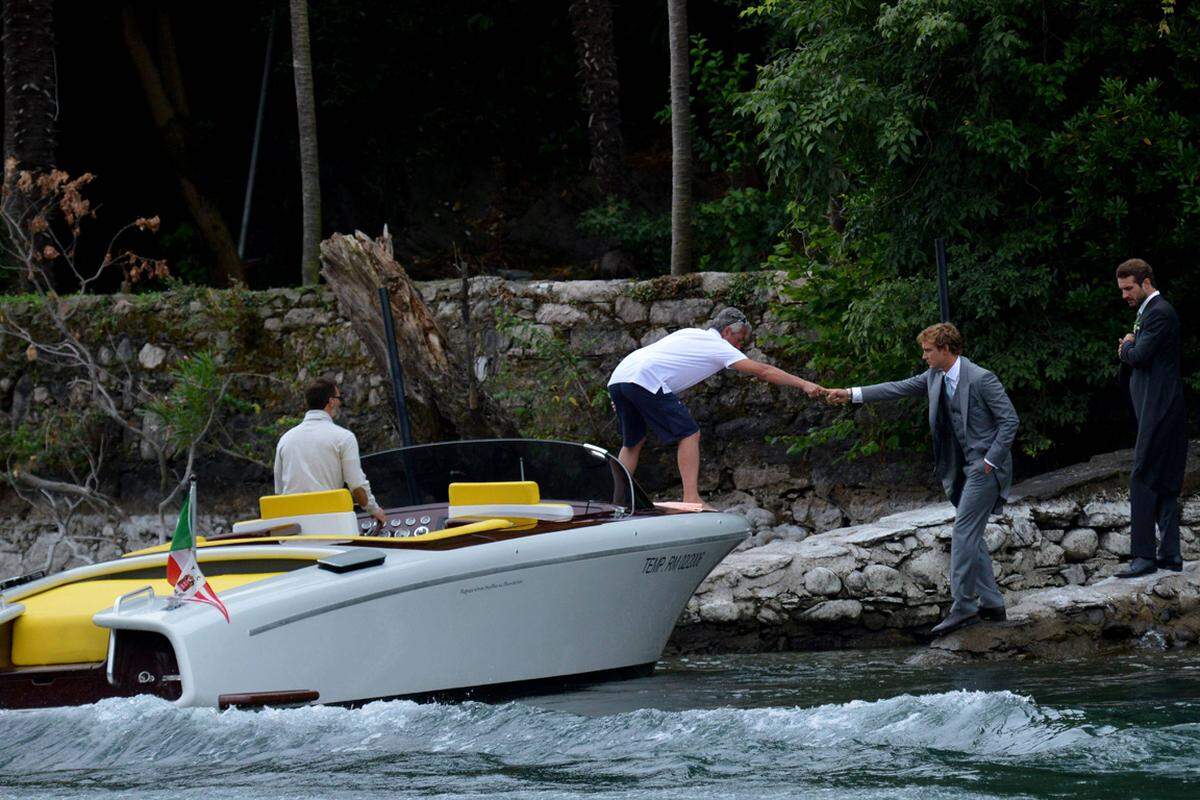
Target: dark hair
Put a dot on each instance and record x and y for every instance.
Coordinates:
(942, 335)
(1137, 269)
(318, 393)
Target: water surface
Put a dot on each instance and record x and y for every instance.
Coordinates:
(845, 725)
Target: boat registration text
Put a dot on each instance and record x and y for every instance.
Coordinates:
(672, 563)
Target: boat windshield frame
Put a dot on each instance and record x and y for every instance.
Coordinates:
(397, 483)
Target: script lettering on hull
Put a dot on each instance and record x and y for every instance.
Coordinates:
(676, 563)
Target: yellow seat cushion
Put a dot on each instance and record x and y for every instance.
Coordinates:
(57, 628)
(290, 505)
(499, 492)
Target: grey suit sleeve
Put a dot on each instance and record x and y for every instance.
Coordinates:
(993, 394)
(916, 386)
(1147, 340)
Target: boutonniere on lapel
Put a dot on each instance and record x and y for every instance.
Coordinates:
(1137, 323)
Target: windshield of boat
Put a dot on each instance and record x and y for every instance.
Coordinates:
(564, 471)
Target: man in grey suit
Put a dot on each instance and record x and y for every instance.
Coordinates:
(973, 424)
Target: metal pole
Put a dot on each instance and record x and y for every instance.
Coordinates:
(943, 284)
(258, 123)
(389, 335)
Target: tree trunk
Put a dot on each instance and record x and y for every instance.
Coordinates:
(30, 103)
(306, 114)
(681, 141)
(355, 267)
(30, 84)
(167, 118)
(591, 25)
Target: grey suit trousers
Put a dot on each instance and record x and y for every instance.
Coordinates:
(972, 580)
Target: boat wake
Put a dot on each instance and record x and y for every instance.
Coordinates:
(145, 745)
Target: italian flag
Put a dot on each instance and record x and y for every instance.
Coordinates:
(183, 571)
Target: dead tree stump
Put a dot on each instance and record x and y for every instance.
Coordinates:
(437, 385)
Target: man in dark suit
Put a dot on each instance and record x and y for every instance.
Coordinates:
(1151, 355)
(973, 424)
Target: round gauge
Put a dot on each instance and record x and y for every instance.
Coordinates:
(421, 531)
(410, 521)
(425, 520)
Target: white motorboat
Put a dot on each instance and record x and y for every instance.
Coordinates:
(503, 562)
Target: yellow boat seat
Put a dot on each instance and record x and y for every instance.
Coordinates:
(56, 626)
(330, 512)
(517, 501)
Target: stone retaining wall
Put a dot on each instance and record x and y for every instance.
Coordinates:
(279, 339)
(886, 582)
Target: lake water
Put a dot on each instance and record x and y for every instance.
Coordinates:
(849, 725)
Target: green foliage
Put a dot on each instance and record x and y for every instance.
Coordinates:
(558, 399)
(55, 442)
(196, 393)
(185, 250)
(1047, 143)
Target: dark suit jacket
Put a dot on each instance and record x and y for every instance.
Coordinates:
(1156, 391)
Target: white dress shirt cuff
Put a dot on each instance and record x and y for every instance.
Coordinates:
(856, 394)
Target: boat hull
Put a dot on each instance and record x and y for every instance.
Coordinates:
(539, 608)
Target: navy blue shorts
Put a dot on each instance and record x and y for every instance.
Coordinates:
(663, 412)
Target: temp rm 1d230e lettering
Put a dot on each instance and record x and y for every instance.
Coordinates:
(672, 563)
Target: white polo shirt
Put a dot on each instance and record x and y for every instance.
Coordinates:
(678, 361)
(318, 456)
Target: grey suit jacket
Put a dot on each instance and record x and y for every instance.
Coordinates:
(988, 416)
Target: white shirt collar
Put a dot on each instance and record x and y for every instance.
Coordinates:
(952, 373)
(1149, 297)
(318, 415)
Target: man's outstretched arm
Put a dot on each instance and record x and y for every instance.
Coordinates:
(916, 386)
(765, 372)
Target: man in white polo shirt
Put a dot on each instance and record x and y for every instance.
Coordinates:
(644, 385)
(318, 456)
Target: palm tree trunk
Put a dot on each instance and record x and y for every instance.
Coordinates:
(681, 141)
(591, 26)
(30, 84)
(306, 113)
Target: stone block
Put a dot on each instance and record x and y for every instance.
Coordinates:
(630, 311)
(1190, 513)
(816, 513)
(928, 569)
(1054, 535)
(594, 341)
(1074, 574)
(995, 536)
(1049, 555)
(690, 312)
(561, 315)
(1115, 542)
(1080, 544)
(822, 581)
(653, 335)
(151, 356)
(856, 584)
(834, 611)
(1055, 512)
(756, 476)
(1106, 514)
(883, 580)
(302, 318)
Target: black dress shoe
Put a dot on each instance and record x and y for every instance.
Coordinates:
(997, 614)
(953, 621)
(1139, 567)
(1173, 566)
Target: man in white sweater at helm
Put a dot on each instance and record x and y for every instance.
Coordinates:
(644, 386)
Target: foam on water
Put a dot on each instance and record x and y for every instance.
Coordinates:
(472, 748)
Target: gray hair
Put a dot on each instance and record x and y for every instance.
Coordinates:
(729, 318)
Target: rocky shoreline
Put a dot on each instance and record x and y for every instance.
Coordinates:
(1055, 547)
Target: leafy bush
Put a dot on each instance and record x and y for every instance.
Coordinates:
(1047, 142)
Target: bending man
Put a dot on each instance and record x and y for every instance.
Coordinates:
(644, 386)
(319, 456)
(973, 424)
